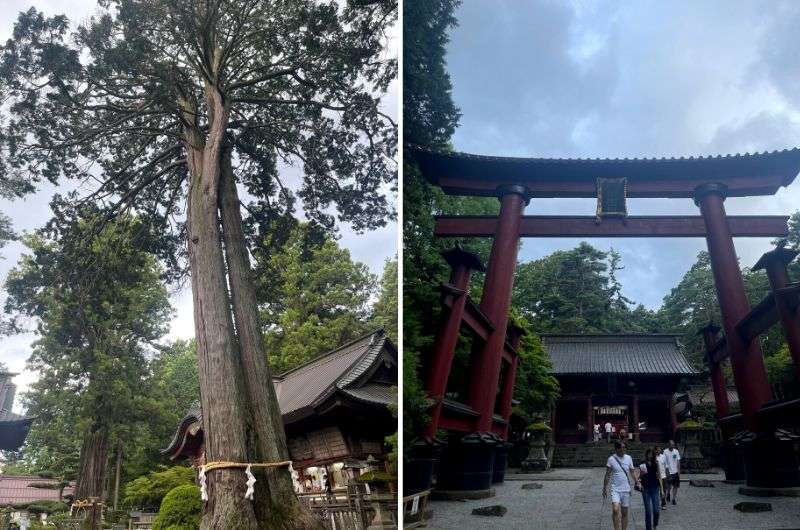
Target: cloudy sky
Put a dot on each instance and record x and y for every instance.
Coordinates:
(371, 248)
(631, 79)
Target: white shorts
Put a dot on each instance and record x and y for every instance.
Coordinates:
(622, 498)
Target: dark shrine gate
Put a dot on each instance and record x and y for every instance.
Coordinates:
(480, 422)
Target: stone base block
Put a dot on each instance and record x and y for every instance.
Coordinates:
(461, 495)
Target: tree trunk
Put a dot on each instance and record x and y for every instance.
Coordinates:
(92, 467)
(92, 474)
(222, 398)
(284, 509)
(117, 473)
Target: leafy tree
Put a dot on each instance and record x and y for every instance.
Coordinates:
(324, 300)
(577, 291)
(179, 103)
(180, 509)
(384, 312)
(98, 301)
(535, 389)
(147, 491)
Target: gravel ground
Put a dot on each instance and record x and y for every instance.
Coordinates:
(571, 499)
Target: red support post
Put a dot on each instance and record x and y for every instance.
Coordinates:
(709, 333)
(589, 420)
(635, 417)
(747, 361)
(495, 304)
(462, 264)
(775, 262)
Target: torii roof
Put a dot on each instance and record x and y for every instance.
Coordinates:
(744, 175)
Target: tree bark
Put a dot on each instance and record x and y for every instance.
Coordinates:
(117, 473)
(92, 468)
(284, 509)
(222, 398)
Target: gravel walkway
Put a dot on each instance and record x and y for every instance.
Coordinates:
(571, 499)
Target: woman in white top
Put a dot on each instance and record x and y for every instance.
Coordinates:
(662, 471)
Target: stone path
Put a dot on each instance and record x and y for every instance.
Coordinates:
(571, 499)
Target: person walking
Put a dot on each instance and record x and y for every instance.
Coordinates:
(661, 458)
(650, 481)
(673, 458)
(596, 432)
(619, 476)
(608, 431)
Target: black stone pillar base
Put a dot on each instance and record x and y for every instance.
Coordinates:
(770, 460)
(733, 461)
(500, 461)
(467, 464)
(420, 468)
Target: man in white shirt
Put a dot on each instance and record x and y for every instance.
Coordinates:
(619, 473)
(673, 458)
(608, 431)
(596, 432)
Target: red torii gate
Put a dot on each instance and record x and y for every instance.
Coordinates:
(707, 180)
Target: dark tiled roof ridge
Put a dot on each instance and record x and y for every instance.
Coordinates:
(523, 159)
(327, 355)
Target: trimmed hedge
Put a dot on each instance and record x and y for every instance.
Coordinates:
(180, 509)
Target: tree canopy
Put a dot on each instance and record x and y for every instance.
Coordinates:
(170, 107)
(98, 306)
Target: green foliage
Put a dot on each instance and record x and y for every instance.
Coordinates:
(429, 114)
(180, 509)
(538, 426)
(782, 373)
(577, 291)
(535, 389)
(149, 490)
(377, 477)
(42, 506)
(96, 293)
(384, 312)
(324, 299)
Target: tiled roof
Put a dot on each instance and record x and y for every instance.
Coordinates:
(375, 393)
(303, 388)
(315, 381)
(616, 354)
(16, 489)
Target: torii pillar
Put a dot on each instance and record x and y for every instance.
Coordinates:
(775, 262)
(495, 304)
(462, 264)
(747, 360)
(718, 385)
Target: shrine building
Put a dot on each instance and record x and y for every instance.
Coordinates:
(335, 409)
(626, 380)
(13, 427)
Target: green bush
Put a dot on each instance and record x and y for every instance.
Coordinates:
(42, 506)
(149, 490)
(180, 509)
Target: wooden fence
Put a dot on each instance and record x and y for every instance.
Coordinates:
(415, 509)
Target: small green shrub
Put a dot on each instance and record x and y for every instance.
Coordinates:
(539, 426)
(180, 509)
(149, 490)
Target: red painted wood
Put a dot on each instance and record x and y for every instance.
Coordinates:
(718, 384)
(445, 346)
(789, 316)
(563, 188)
(636, 417)
(589, 420)
(634, 226)
(747, 361)
(495, 303)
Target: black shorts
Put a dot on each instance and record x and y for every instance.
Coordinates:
(674, 479)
